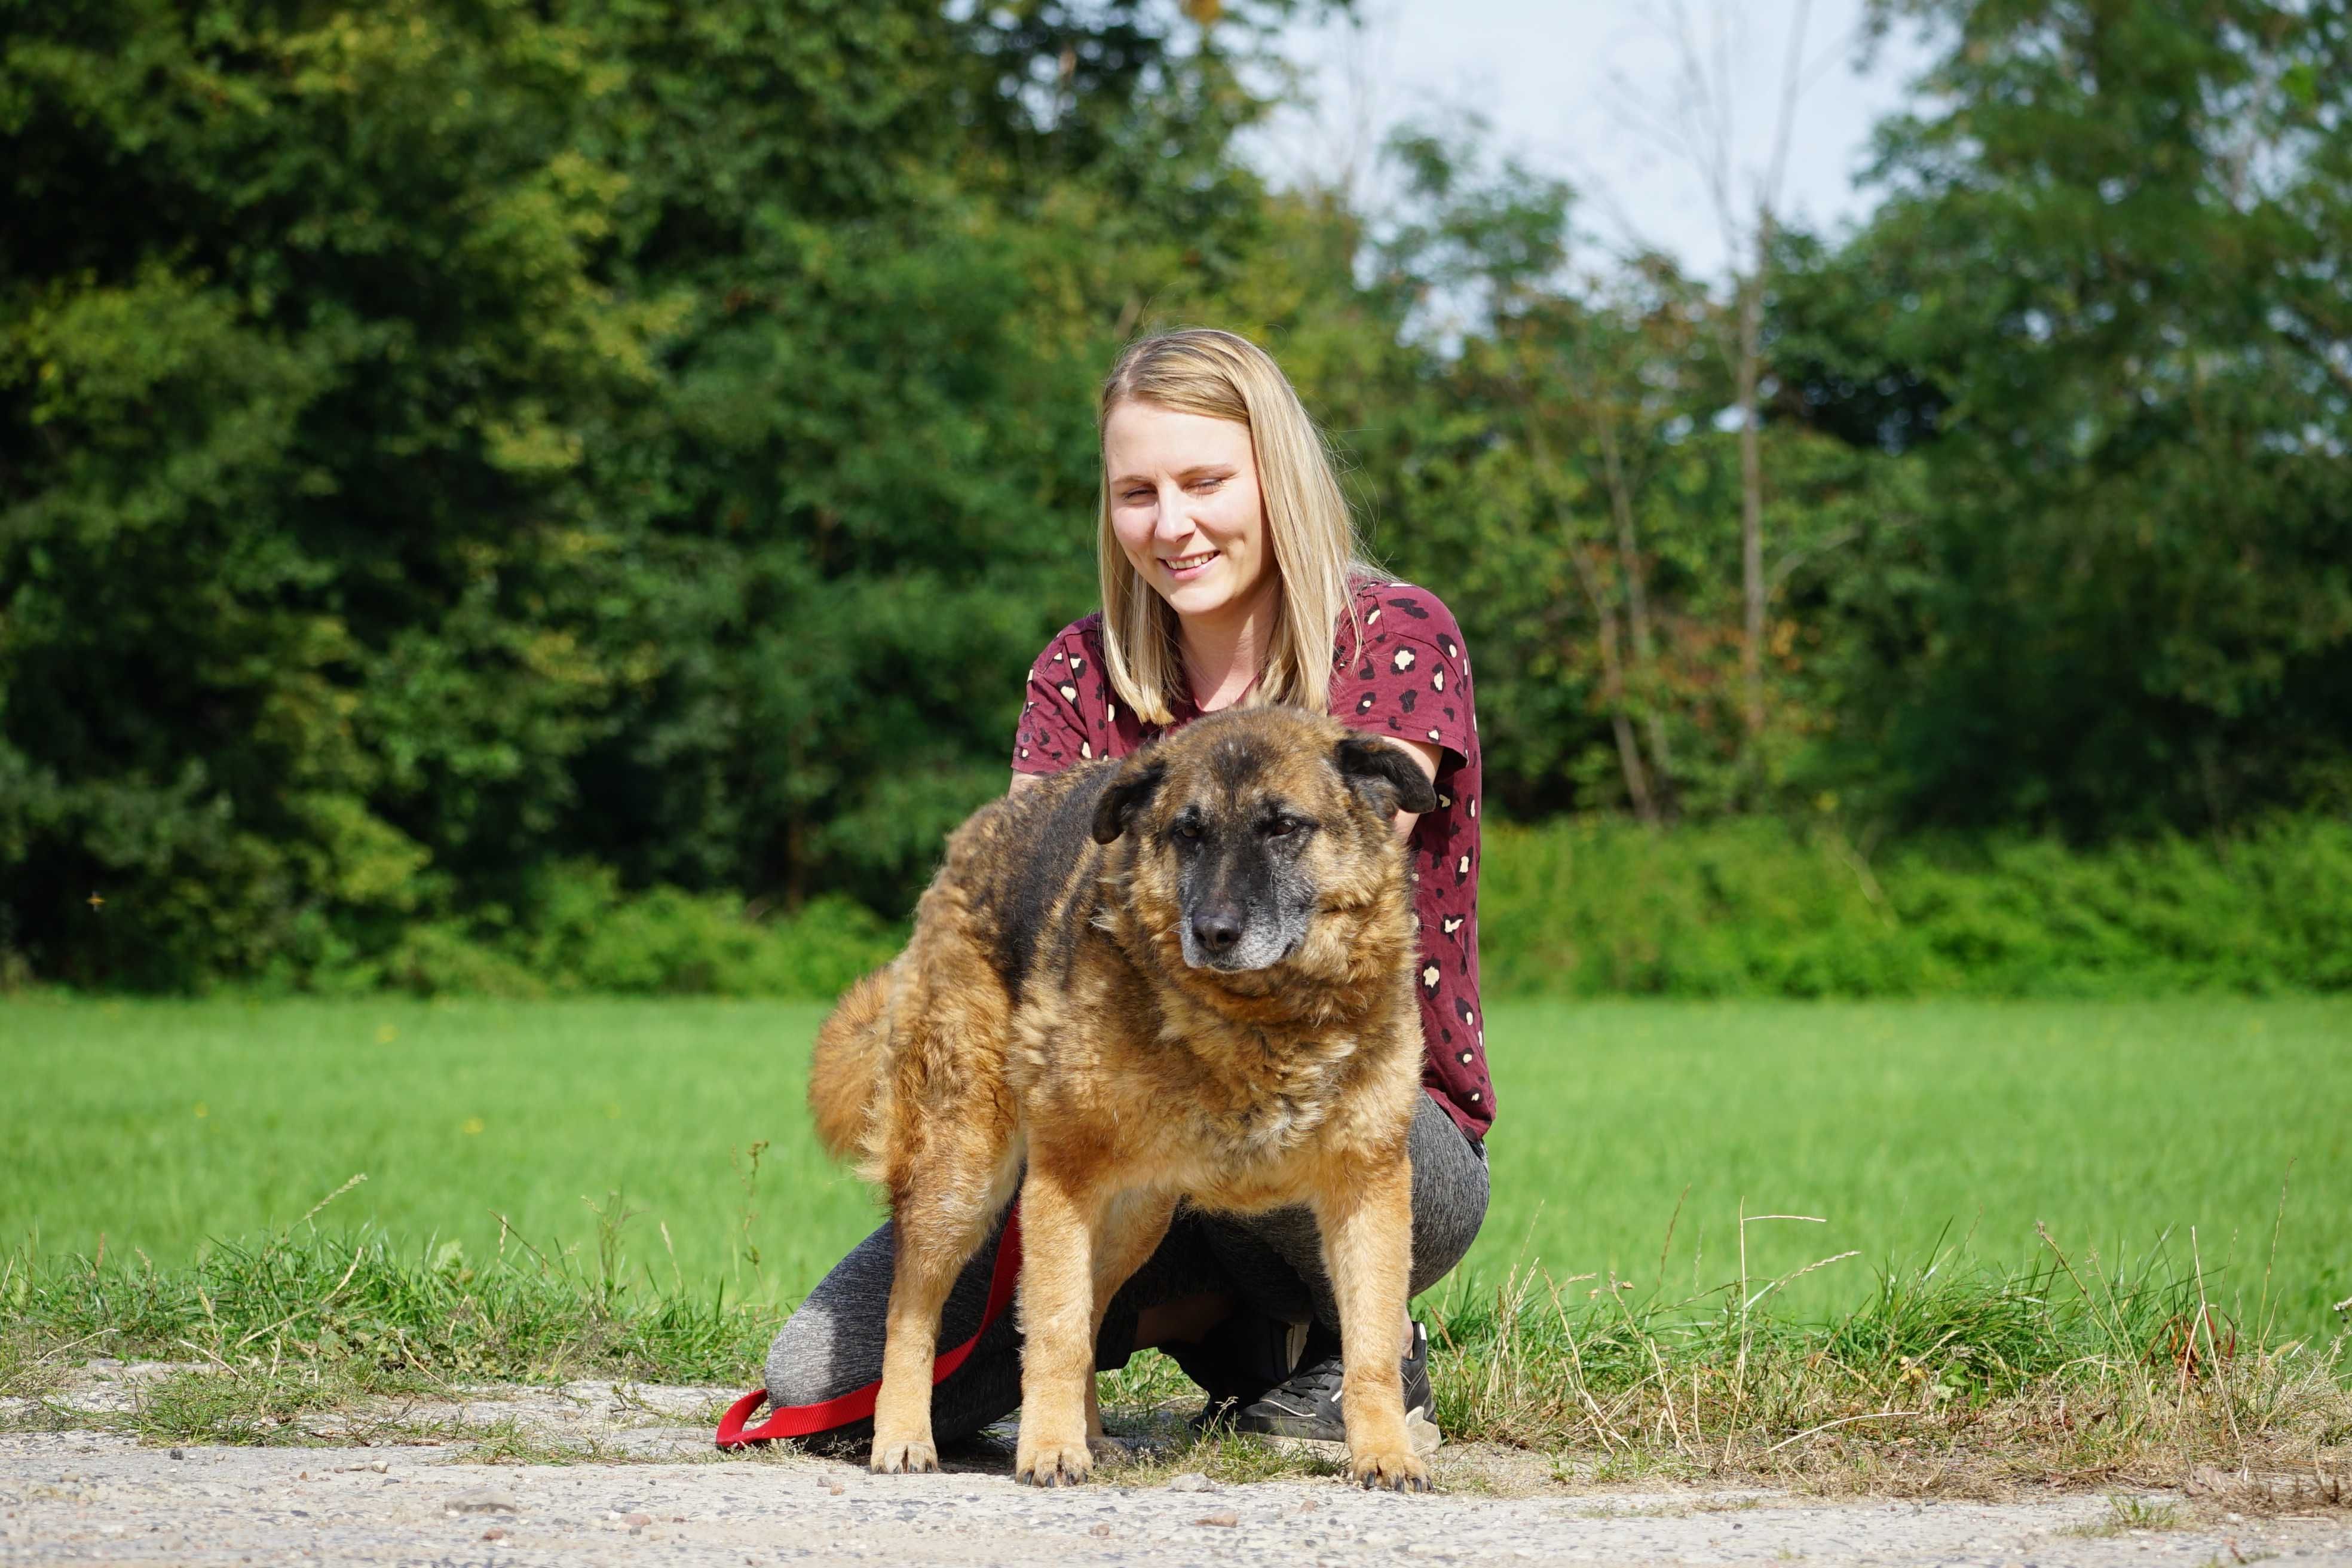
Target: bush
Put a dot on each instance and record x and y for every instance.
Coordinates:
(580, 932)
(1762, 907)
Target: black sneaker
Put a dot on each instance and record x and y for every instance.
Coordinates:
(1306, 1405)
(1239, 1361)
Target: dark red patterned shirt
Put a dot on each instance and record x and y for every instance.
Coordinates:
(1411, 679)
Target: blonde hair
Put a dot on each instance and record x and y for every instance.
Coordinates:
(1309, 532)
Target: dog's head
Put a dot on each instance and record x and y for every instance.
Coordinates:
(1250, 824)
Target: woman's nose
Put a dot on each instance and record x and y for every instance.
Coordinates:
(1175, 519)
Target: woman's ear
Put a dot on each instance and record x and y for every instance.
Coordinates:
(1131, 791)
(1372, 766)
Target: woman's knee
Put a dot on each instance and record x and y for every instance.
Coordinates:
(833, 1342)
(1450, 1190)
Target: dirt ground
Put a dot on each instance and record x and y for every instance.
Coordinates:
(634, 1481)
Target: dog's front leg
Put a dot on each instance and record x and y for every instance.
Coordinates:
(1058, 1220)
(1367, 1225)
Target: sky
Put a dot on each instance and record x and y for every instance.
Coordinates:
(1591, 90)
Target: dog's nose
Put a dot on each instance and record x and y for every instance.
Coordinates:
(1217, 929)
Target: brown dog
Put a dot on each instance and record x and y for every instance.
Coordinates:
(1186, 974)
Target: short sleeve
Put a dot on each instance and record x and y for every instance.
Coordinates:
(1054, 732)
(1410, 676)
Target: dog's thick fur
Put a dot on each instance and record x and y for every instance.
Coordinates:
(1184, 974)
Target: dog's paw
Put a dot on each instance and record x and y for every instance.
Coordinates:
(1053, 1464)
(915, 1456)
(1394, 1469)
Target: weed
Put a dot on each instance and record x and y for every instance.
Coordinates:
(2129, 1514)
(1223, 1457)
(27, 1369)
(256, 1406)
(508, 1441)
(1942, 1377)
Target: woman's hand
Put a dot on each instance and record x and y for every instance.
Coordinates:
(1426, 755)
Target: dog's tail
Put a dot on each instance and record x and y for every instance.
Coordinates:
(845, 1071)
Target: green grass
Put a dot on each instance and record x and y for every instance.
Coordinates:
(1907, 1127)
(1907, 1124)
(212, 1145)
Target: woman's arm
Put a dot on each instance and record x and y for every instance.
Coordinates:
(1055, 727)
(1023, 781)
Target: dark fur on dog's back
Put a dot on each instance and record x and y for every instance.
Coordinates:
(1185, 974)
(1057, 823)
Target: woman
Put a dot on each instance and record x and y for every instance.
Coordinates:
(1230, 575)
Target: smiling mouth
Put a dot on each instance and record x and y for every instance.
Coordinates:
(1186, 563)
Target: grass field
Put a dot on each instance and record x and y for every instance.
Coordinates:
(1903, 1126)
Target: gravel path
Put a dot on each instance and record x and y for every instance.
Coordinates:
(99, 1497)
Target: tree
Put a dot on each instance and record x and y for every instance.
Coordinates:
(1698, 121)
(2106, 262)
(305, 338)
(440, 443)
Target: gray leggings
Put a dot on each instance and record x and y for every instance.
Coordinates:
(1272, 1262)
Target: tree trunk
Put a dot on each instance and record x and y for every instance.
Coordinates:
(1612, 689)
(1604, 615)
(1751, 502)
(1628, 753)
(1637, 613)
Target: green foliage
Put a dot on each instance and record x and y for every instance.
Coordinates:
(585, 934)
(441, 441)
(1759, 907)
(489, 492)
(2105, 265)
(303, 340)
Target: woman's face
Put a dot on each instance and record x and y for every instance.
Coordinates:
(1185, 506)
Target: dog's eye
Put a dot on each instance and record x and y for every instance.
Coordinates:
(1190, 832)
(1282, 828)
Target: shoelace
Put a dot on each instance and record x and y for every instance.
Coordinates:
(1321, 1379)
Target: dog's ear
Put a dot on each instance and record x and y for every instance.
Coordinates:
(1373, 767)
(1131, 791)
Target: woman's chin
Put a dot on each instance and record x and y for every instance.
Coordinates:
(1203, 596)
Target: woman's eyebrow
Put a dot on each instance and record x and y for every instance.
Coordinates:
(1198, 470)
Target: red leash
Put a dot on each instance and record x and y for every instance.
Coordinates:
(801, 1420)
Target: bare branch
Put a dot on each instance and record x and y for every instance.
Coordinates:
(1791, 81)
(1796, 558)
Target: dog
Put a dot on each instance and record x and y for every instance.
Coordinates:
(1184, 974)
